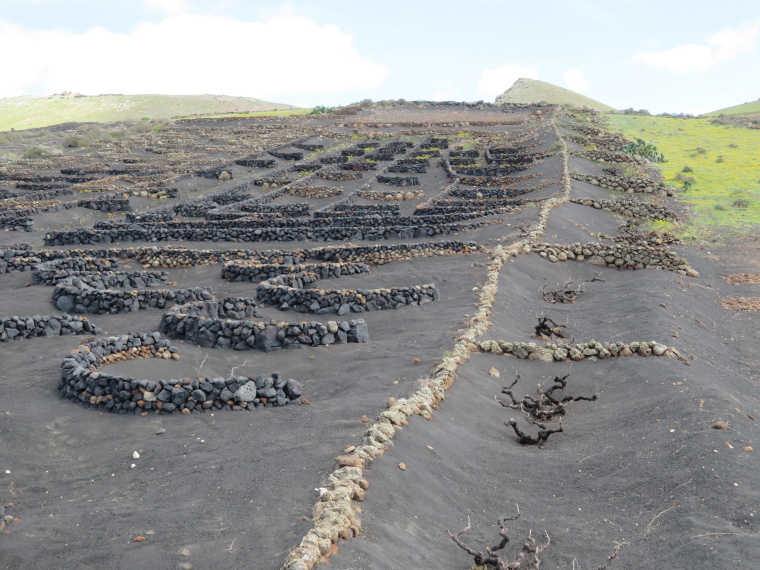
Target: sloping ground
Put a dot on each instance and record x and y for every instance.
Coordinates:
(640, 468)
(30, 112)
(526, 90)
(749, 108)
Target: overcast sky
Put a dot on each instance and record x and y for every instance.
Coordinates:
(660, 55)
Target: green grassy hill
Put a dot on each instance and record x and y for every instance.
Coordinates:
(534, 91)
(751, 108)
(30, 112)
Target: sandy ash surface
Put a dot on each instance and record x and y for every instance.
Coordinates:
(640, 467)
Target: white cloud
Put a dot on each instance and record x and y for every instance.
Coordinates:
(170, 7)
(188, 54)
(575, 80)
(724, 45)
(494, 82)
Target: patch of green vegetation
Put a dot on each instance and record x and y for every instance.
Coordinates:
(751, 108)
(723, 194)
(32, 112)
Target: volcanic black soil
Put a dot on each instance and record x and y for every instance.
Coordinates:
(640, 471)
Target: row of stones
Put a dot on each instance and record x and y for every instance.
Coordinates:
(237, 234)
(617, 256)
(106, 204)
(26, 327)
(267, 336)
(83, 383)
(74, 296)
(629, 184)
(390, 196)
(608, 156)
(497, 193)
(317, 192)
(289, 292)
(630, 207)
(20, 258)
(256, 272)
(551, 352)
(334, 515)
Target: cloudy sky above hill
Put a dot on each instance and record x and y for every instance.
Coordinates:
(662, 56)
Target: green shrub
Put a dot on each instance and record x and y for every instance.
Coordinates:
(34, 152)
(76, 141)
(719, 207)
(321, 110)
(733, 145)
(720, 158)
(687, 169)
(701, 150)
(644, 149)
(741, 203)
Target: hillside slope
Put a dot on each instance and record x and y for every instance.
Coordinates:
(750, 108)
(29, 112)
(532, 91)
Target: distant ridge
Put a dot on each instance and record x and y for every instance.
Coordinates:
(29, 112)
(534, 91)
(750, 108)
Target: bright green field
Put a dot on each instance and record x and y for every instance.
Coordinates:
(725, 197)
(751, 108)
(31, 112)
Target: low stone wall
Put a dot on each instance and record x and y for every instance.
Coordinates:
(257, 272)
(158, 233)
(363, 209)
(73, 295)
(493, 180)
(415, 168)
(399, 180)
(617, 256)
(339, 174)
(627, 184)
(81, 382)
(256, 162)
(314, 192)
(50, 272)
(294, 156)
(106, 204)
(551, 352)
(608, 156)
(288, 292)
(22, 328)
(382, 254)
(490, 193)
(248, 335)
(630, 207)
(17, 223)
(389, 196)
(281, 210)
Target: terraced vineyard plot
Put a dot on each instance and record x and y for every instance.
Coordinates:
(254, 343)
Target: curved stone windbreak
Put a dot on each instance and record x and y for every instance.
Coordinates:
(73, 295)
(629, 184)
(618, 256)
(106, 204)
(389, 196)
(83, 383)
(314, 192)
(563, 352)
(630, 207)
(257, 272)
(608, 156)
(247, 335)
(26, 327)
(288, 292)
